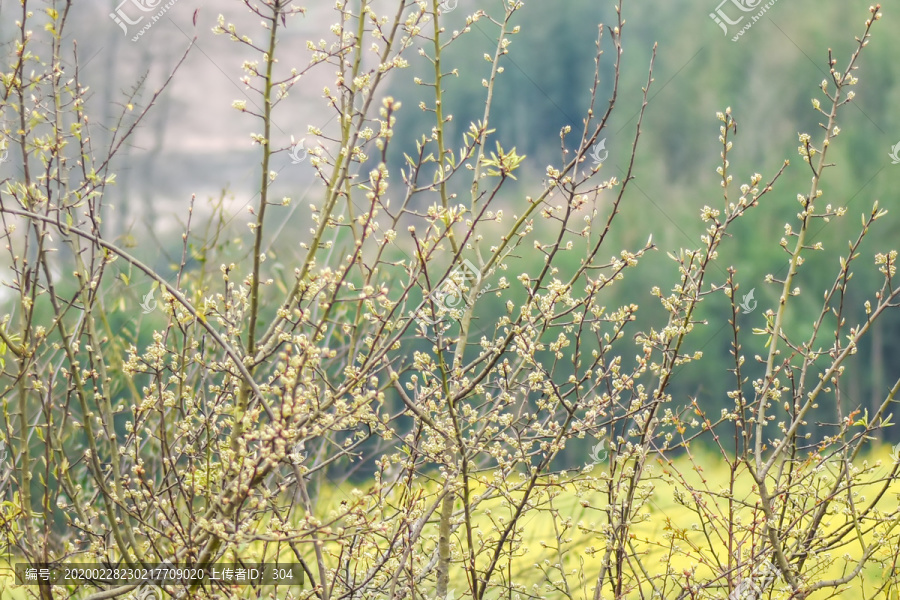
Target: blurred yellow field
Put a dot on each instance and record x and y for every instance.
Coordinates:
(668, 534)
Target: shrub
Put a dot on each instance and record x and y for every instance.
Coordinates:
(262, 394)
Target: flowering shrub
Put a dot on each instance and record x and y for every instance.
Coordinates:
(234, 432)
